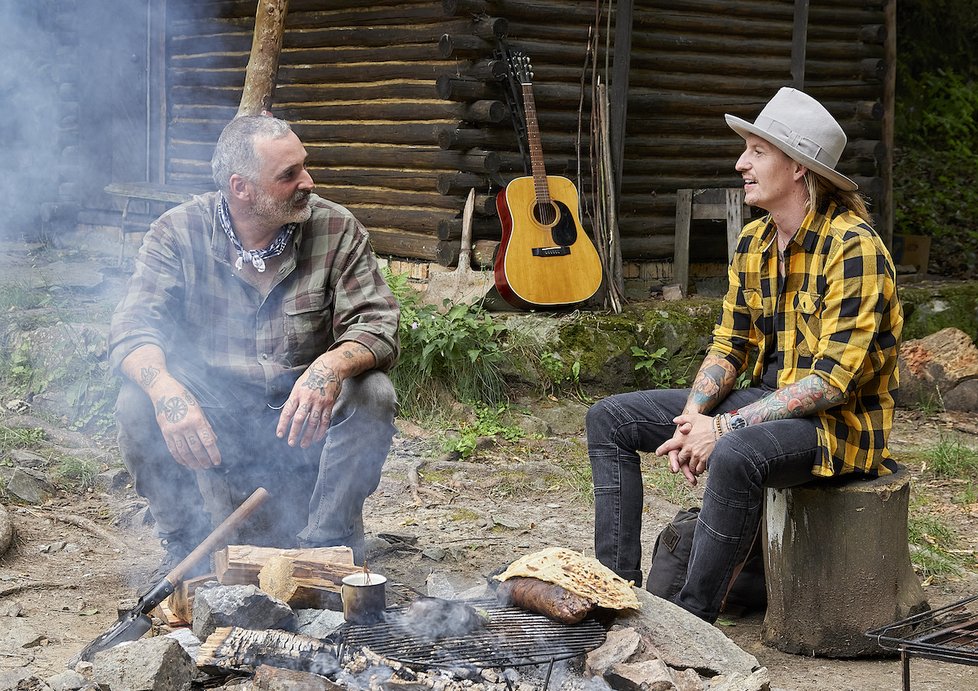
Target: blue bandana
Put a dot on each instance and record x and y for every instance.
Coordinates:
(256, 257)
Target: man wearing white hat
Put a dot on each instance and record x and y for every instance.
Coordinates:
(812, 293)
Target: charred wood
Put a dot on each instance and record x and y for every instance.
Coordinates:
(244, 650)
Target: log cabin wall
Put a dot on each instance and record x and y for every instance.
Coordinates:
(401, 109)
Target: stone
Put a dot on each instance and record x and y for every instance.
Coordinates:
(672, 292)
(238, 605)
(187, 640)
(684, 641)
(27, 459)
(563, 417)
(11, 679)
(149, 664)
(619, 646)
(29, 486)
(934, 366)
(113, 480)
(758, 680)
(647, 675)
(69, 680)
(318, 623)
(18, 634)
(10, 608)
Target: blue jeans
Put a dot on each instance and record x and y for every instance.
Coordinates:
(316, 494)
(780, 454)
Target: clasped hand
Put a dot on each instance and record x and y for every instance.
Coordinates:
(690, 446)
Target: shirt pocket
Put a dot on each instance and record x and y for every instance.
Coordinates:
(308, 325)
(808, 309)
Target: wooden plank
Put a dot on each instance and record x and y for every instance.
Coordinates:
(240, 564)
(684, 211)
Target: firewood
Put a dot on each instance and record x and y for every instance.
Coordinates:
(240, 564)
(303, 585)
(244, 650)
(278, 679)
(180, 605)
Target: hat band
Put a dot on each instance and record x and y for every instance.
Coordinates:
(797, 141)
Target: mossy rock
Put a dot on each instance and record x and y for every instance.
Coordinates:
(930, 307)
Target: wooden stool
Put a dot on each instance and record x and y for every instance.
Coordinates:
(715, 204)
(837, 564)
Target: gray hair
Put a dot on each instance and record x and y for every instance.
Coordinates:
(235, 150)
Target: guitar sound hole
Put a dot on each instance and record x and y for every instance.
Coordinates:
(545, 214)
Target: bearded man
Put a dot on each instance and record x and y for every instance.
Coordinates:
(253, 342)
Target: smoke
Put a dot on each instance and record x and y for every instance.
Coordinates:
(29, 99)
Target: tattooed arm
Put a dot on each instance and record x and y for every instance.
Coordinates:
(307, 412)
(186, 431)
(715, 379)
(801, 399)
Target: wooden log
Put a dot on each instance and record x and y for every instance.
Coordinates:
(453, 88)
(240, 564)
(269, 678)
(458, 183)
(490, 28)
(483, 253)
(837, 564)
(450, 230)
(463, 46)
(243, 650)
(396, 242)
(469, 138)
(305, 585)
(181, 602)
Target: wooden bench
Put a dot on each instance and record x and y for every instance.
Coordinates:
(837, 564)
(714, 204)
(151, 194)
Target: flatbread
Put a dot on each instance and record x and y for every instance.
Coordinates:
(586, 577)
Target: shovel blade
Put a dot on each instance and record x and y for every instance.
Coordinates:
(131, 627)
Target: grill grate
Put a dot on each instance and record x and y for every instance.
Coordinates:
(949, 634)
(512, 637)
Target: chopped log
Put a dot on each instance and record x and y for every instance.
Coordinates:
(302, 584)
(240, 564)
(452, 88)
(181, 602)
(483, 253)
(244, 650)
(450, 229)
(837, 564)
(263, 63)
(268, 678)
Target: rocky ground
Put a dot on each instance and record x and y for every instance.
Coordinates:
(438, 524)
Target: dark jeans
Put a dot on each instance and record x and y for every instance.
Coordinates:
(316, 494)
(773, 454)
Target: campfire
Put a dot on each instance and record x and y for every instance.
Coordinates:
(553, 619)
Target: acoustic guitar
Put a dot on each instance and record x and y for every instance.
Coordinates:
(545, 259)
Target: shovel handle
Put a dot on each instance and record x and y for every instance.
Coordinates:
(217, 537)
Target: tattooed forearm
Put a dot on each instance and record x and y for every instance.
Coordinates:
(350, 350)
(801, 399)
(148, 375)
(714, 380)
(319, 378)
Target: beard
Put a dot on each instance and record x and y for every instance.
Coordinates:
(276, 213)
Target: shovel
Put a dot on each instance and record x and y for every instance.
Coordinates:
(134, 623)
(464, 285)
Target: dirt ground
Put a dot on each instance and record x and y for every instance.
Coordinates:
(443, 525)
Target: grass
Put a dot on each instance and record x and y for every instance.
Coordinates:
(672, 486)
(933, 549)
(76, 472)
(19, 437)
(951, 458)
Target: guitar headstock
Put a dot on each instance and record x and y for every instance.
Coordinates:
(520, 65)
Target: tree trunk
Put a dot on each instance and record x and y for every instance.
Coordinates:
(266, 48)
(837, 564)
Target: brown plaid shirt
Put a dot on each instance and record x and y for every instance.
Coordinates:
(185, 298)
(842, 321)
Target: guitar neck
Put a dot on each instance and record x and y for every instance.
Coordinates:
(536, 148)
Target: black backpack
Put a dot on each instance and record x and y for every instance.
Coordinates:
(670, 558)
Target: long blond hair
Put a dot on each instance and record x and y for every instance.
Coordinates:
(820, 189)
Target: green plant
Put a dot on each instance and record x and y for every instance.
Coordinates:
(456, 353)
(76, 471)
(487, 424)
(672, 486)
(656, 367)
(559, 374)
(951, 458)
(932, 546)
(20, 437)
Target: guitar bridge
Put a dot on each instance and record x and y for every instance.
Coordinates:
(557, 251)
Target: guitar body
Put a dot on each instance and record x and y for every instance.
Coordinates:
(544, 264)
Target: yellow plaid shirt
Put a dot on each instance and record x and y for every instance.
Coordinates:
(841, 320)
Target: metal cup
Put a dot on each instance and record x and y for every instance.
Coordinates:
(364, 598)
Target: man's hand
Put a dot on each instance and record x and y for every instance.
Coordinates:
(307, 412)
(690, 446)
(188, 435)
